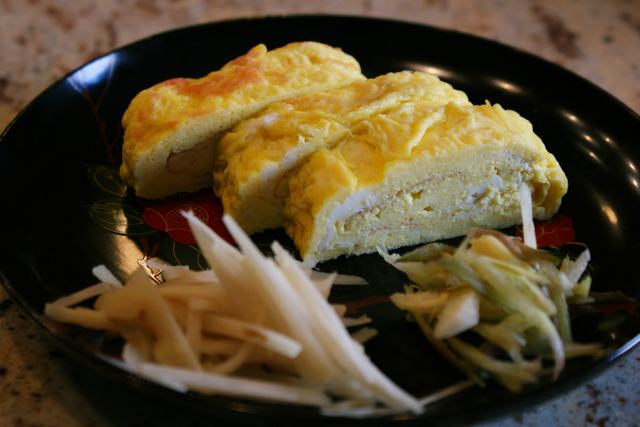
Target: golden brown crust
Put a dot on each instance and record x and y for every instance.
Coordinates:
(256, 158)
(179, 114)
(419, 173)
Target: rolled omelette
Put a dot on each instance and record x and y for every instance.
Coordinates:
(416, 174)
(171, 129)
(256, 158)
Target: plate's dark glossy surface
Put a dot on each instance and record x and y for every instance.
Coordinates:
(54, 232)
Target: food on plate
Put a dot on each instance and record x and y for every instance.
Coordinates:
(216, 330)
(495, 305)
(419, 173)
(255, 159)
(170, 129)
(298, 137)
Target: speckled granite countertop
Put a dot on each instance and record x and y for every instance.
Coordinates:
(43, 40)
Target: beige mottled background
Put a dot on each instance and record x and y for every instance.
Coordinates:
(42, 40)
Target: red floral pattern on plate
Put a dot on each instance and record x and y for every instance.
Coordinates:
(557, 231)
(164, 215)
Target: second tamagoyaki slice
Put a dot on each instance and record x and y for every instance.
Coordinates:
(256, 158)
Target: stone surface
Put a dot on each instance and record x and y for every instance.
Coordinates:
(42, 40)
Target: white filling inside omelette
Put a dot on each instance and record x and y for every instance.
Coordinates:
(439, 206)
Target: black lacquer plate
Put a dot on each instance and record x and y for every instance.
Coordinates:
(64, 210)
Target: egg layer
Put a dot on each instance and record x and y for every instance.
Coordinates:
(257, 157)
(171, 129)
(419, 173)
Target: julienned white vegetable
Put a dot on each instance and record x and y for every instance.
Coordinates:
(526, 209)
(506, 292)
(575, 269)
(460, 313)
(212, 330)
(236, 386)
(352, 373)
(103, 274)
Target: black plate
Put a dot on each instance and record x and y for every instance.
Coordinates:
(62, 206)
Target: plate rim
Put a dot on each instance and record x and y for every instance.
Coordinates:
(147, 387)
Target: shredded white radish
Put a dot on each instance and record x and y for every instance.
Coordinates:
(183, 272)
(324, 285)
(250, 332)
(578, 267)
(239, 387)
(133, 361)
(356, 321)
(446, 392)
(355, 409)
(339, 279)
(528, 227)
(345, 351)
(84, 294)
(363, 335)
(291, 313)
(231, 364)
(126, 364)
(78, 315)
(220, 346)
(340, 309)
(102, 273)
(182, 291)
(191, 330)
(194, 325)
